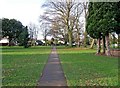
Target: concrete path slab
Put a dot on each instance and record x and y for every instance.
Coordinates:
(53, 74)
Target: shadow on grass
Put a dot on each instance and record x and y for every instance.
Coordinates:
(21, 47)
(17, 49)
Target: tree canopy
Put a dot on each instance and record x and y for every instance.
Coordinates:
(14, 30)
(11, 28)
(103, 19)
(66, 13)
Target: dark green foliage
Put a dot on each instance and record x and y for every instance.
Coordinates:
(24, 38)
(11, 28)
(101, 20)
(15, 31)
(92, 22)
(117, 18)
(26, 35)
(0, 28)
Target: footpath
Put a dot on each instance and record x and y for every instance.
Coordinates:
(53, 74)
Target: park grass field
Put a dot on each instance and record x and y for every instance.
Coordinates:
(83, 68)
(23, 67)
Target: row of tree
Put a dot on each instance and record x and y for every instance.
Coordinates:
(63, 19)
(103, 19)
(15, 31)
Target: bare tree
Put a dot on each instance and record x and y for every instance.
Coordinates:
(78, 24)
(85, 6)
(33, 33)
(59, 29)
(45, 29)
(68, 11)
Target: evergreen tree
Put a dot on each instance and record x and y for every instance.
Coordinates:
(101, 21)
(26, 38)
(117, 18)
(11, 28)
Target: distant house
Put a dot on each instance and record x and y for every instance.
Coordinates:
(4, 41)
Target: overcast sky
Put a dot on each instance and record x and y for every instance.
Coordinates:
(25, 11)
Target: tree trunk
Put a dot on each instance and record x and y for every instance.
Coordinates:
(103, 44)
(70, 38)
(78, 42)
(92, 44)
(45, 41)
(85, 38)
(98, 46)
(78, 39)
(107, 45)
(118, 41)
(86, 12)
(10, 42)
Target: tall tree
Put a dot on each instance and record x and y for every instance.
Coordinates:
(85, 6)
(117, 18)
(26, 37)
(0, 28)
(66, 10)
(92, 25)
(45, 31)
(101, 21)
(33, 32)
(11, 28)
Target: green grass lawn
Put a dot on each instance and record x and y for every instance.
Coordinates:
(23, 67)
(83, 68)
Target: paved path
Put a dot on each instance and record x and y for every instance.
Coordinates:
(53, 74)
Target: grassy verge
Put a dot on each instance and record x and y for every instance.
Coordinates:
(83, 68)
(23, 67)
